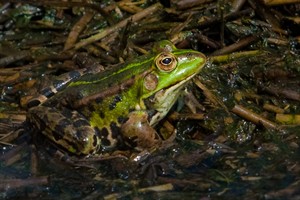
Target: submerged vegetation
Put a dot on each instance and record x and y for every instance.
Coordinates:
(233, 133)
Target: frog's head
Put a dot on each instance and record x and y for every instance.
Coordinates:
(172, 68)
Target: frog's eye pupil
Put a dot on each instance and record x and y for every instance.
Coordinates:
(166, 61)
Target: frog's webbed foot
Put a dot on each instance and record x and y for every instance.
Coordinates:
(138, 131)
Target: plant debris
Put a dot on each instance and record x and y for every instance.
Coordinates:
(233, 134)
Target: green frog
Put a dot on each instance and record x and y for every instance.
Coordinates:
(97, 112)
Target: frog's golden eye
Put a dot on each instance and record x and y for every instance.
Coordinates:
(166, 62)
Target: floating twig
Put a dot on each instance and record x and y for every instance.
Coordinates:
(253, 117)
(17, 183)
(77, 28)
(288, 119)
(238, 45)
(279, 2)
(210, 95)
(134, 18)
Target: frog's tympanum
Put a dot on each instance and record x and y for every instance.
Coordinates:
(99, 111)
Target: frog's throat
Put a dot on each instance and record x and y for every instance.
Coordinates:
(165, 99)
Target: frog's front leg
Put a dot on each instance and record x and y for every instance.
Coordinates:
(138, 130)
(66, 128)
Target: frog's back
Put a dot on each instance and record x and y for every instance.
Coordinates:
(102, 84)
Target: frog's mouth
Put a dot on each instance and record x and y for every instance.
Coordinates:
(165, 99)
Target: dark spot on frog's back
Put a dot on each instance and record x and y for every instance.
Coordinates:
(62, 123)
(114, 102)
(95, 143)
(80, 123)
(115, 130)
(95, 139)
(101, 114)
(58, 84)
(33, 103)
(122, 119)
(66, 113)
(103, 133)
(48, 92)
(57, 134)
(91, 107)
(105, 142)
(74, 74)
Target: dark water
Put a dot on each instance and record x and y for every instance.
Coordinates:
(188, 171)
